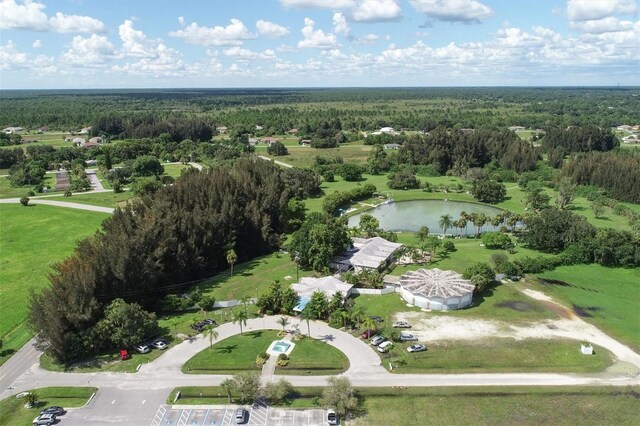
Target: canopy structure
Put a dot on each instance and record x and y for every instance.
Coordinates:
(436, 289)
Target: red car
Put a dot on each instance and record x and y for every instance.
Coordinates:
(367, 334)
(124, 354)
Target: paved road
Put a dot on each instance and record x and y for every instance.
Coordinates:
(279, 163)
(96, 185)
(18, 364)
(66, 204)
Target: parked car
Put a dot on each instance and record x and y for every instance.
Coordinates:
(58, 411)
(240, 416)
(367, 334)
(406, 337)
(385, 346)
(209, 321)
(124, 354)
(332, 418)
(159, 344)
(44, 420)
(143, 349)
(401, 324)
(377, 340)
(416, 348)
(376, 318)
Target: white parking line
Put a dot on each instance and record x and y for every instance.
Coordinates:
(160, 413)
(184, 415)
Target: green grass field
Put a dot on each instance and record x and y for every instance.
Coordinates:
(103, 199)
(497, 355)
(314, 357)
(8, 191)
(13, 412)
(31, 239)
(174, 170)
(55, 139)
(606, 297)
(557, 405)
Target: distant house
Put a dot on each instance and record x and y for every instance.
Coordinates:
(392, 146)
(90, 162)
(11, 130)
(305, 142)
(517, 128)
(631, 139)
(269, 140)
(367, 254)
(84, 131)
(96, 139)
(466, 131)
(79, 141)
(259, 127)
(292, 131)
(387, 130)
(327, 285)
(221, 129)
(625, 128)
(253, 141)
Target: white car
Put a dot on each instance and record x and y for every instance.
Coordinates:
(406, 337)
(416, 348)
(44, 420)
(332, 418)
(159, 344)
(401, 324)
(143, 349)
(385, 347)
(377, 340)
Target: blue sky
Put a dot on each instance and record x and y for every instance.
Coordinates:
(315, 43)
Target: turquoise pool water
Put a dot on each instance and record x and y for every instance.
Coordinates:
(281, 347)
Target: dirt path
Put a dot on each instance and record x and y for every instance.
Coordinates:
(569, 326)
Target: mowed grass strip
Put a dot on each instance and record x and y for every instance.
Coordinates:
(13, 412)
(31, 239)
(232, 355)
(314, 357)
(499, 406)
(606, 297)
(9, 191)
(498, 355)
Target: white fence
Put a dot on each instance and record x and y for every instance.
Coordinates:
(386, 290)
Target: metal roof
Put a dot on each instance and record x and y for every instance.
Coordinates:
(436, 283)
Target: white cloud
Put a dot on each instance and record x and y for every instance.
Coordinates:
(11, 57)
(590, 10)
(233, 34)
(181, 20)
(316, 38)
(270, 29)
(37, 44)
(89, 52)
(604, 25)
(134, 42)
(166, 62)
(340, 24)
(368, 39)
(453, 10)
(30, 15)
(318, 4)
(376, 11)
(246, 54)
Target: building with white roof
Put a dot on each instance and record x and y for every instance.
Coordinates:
(367, 253)
(328, 285)
(436, 289)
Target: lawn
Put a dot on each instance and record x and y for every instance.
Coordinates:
(498, 355)
(303, 156)
(232, 355)
(555, 405)
(499, 406)
(8, 191)
(175, 170)
(314, 357)
(607, 297)
(13, 412)
(31, 239)
(103, 199)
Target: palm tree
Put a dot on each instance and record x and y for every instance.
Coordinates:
(239, 317)
(228, 385)
(283, 321)
(422, 234)
(344, 315)
(232, 258)
(496, 221)
(482, 220)
(459, 224)
(212, 333)
(369, 324)
(245, 301)
(306, 315)
(358, 313)
(445, 223)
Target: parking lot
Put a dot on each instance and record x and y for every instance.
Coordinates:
(216, 415)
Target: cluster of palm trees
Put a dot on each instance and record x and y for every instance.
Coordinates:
(504, 218)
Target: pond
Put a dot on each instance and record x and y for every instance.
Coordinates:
(411, 215)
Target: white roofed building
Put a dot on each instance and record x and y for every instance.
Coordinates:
(367, 253)
(436, 289)
(328, 285)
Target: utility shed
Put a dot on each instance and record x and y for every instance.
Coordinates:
(436, 289)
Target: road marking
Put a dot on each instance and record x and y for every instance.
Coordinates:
(113, 402)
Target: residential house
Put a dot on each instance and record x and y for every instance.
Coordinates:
(259, 127)
(625, 128)
(292, 131)
(305, 142)
(221, 129)
(517, 128)
(631, 139)
(253, 141)
(328, 285)
(11, 130)
(269, 140)
(392, 146)
(96, 139)
(367, 254)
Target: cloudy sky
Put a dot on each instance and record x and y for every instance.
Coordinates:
(276, 43)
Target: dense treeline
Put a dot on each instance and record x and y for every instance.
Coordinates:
(580, 139)
(150, 125)
(459, 151)
(617, 172)
(359, 109)
(180, 234)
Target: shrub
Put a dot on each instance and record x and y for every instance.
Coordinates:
(24, 200)
(262, 358)
(496, 240)
(283, 360)
(67, 193)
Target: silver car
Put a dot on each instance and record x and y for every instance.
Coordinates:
(416, 348)
(406, 337)
(377, 340)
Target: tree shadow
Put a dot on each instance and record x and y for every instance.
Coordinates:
(226, 349)
(7, 352)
